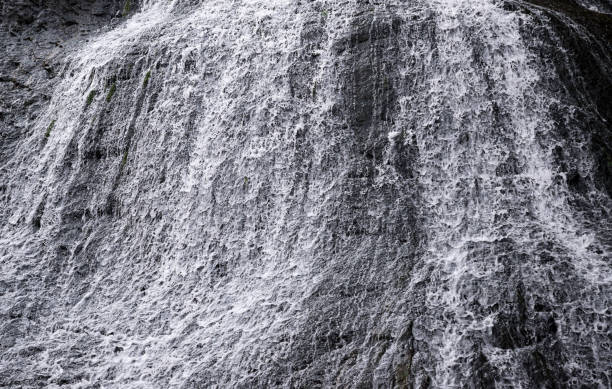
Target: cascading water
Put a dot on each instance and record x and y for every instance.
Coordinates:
(306, 194)
(488, 186)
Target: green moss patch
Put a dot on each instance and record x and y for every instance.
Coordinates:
(127, 7)
(146, 79)
(111, 92)
(90, 98)
(124, 159)
(50, 128)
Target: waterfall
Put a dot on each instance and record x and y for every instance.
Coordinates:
(276, 193)
(488, 182)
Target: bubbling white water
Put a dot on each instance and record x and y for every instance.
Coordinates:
(206, 266)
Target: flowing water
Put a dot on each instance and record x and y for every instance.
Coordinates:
(303, 194)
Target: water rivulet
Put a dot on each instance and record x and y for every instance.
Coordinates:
(282, 193)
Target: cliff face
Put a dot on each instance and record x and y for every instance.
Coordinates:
(305, 194)
(36, 36)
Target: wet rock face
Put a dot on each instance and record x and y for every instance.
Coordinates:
(57, 14)
(584, 35)
(36, 35)
(305, 194)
